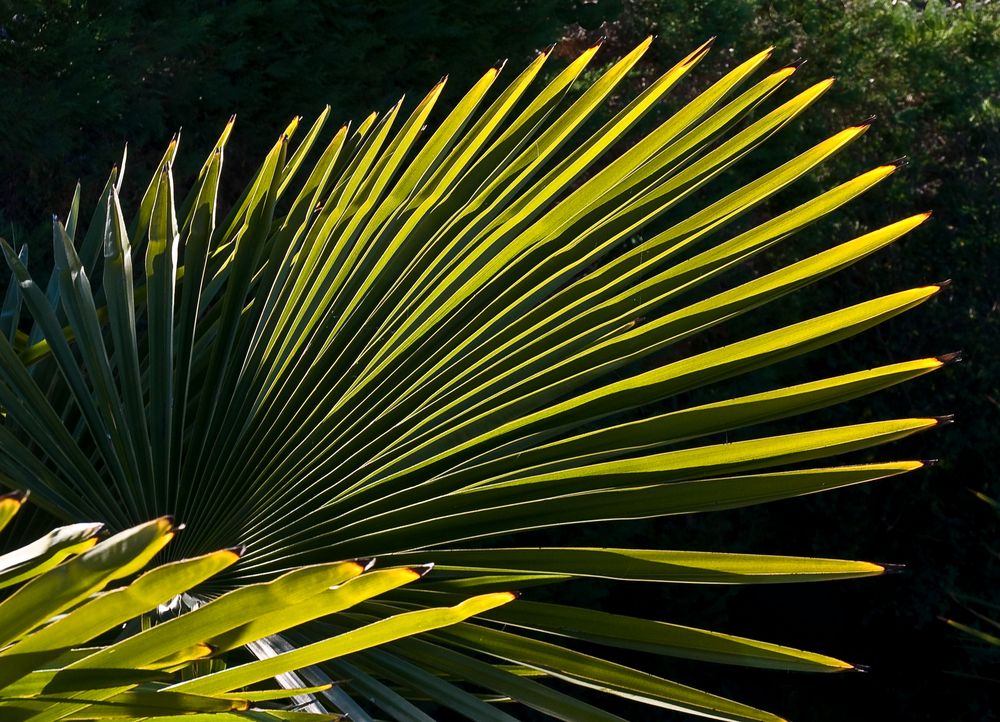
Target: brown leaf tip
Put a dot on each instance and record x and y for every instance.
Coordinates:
(950, 358)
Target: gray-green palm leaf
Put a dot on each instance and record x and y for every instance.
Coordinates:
(416, 343)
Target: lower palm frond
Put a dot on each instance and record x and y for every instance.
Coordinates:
(62, 596)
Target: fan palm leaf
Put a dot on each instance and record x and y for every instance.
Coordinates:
(418, 343)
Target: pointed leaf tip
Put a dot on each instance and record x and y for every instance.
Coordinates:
(700, 52)
(890, 568)
(17, 495)
(594, 47)
(423, 570)
(946, 419)
(950, 358)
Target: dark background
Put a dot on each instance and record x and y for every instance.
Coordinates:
(78, 79)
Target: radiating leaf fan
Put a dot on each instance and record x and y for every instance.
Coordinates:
(418, 345)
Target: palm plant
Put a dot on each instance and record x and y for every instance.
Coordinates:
(60, 602)
(417, 346)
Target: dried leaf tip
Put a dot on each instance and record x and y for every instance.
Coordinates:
(17, 495)
(423, 569)
(797, 63)
(944, 420)
(942, 284)
(900, 162)
(172, 526)
(889, 568)
(950, 358)
(928, 463)
(863, 668)
(365, 563)
(238, 551)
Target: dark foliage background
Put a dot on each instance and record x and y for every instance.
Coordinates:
(79, 78)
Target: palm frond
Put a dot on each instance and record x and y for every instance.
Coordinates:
(418, 344)
(64, 598)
